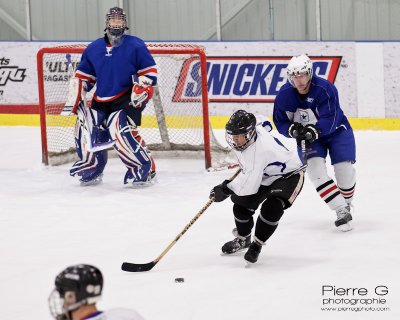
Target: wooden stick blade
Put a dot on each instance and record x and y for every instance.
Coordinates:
(137, 267)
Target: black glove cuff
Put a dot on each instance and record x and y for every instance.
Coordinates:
(225, 188)
(314, 129)
(290, 130)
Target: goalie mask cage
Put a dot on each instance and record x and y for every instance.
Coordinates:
(175, 120)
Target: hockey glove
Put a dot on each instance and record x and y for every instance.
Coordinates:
(295, 130)
(140, 95)
(310, 134)
(220, 192)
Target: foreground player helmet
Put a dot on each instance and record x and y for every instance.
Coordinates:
(74, 287)
(115, 24)
(240, 130)
(299, 65)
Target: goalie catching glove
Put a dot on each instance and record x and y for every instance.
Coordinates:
(141, 95)
(220, 192)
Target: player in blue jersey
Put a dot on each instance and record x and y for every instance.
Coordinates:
(307, 108)
(124, 73)
(77, 290)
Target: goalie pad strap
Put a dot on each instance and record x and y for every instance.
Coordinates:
(87, 129)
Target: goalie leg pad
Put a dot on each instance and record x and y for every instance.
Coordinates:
(91, 167)
(130, 148)
(91, 164)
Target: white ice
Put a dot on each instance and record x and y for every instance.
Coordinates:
(47, 222)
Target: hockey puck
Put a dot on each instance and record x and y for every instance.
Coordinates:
(179, 280)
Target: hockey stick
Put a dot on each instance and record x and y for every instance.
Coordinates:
(67, 110)
(139, 267)
(303, 151)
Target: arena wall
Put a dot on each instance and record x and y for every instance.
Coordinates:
(241, 75)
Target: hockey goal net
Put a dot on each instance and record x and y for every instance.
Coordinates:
(175, 121)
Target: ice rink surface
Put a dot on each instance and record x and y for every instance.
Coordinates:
(48, 222)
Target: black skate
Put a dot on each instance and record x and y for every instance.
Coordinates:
(344, 219)
(253, 252)
(237, 244)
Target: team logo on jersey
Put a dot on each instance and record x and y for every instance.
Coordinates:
(108, 54)
(244, 79)
(303, 116)
(310, 100)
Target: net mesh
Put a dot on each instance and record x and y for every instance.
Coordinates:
(172, 120)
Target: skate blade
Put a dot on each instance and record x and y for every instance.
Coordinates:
(237, 253)
(143, 184)
(94, 182)
(346, 227)
(249, 264)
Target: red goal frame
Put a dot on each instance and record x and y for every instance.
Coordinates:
(157, 48)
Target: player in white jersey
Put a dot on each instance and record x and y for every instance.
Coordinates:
(272, 176)
(77, 290)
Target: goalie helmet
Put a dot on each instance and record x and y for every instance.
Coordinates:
(115, 25)
(75, 286)
(240, 130)
(299, 65)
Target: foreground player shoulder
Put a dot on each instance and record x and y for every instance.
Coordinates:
(121, 314)
(264, 140)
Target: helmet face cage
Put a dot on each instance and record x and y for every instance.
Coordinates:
(56, 306)
(115, 23)
(240, 130)
(75, 286)
(299, 65)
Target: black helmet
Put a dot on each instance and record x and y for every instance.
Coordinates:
(75, 286)
(240, 123)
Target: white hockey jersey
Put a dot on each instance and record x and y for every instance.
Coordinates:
(116, 314)
(263, 162)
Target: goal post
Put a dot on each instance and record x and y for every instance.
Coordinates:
(176, 119)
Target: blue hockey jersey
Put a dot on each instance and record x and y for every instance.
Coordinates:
(111, 68)
(320, 106)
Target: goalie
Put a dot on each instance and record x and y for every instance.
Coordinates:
(124, 73)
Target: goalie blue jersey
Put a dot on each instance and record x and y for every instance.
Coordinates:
(320, 106)
(111, 68)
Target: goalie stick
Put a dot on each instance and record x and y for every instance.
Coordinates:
(140, 267)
